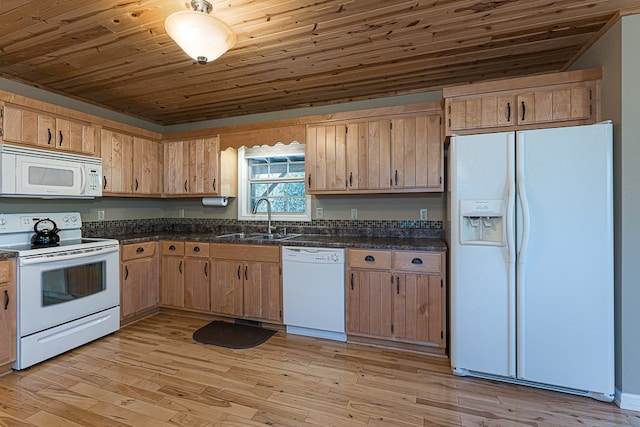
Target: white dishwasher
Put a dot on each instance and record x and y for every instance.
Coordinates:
(313, 291)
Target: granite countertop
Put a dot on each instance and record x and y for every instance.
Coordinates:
(320, 240)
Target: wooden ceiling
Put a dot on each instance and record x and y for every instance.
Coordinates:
(290, 53)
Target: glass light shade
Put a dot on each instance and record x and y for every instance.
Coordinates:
(202, 36)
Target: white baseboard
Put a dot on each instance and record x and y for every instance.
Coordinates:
(627, 401)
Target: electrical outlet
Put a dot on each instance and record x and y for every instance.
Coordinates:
(100, 215)
(181, 212)
(319, 213)
(423, 214)
(354, 213)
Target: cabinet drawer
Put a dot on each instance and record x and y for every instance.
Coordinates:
(423, 262)
(245, 252)
(172, 248)
(196, 249)
(138, 250)
(363, 258)
(6, 269)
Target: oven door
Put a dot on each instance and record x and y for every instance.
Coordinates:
(57, 288)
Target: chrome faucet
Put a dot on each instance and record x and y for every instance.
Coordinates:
(255, 209)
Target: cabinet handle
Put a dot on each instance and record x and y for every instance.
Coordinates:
(104, 180)
(180, 267)
(126, 272)
(246, 270)
(140, 250)
(185, 186)
(214, 184)
(351, 281)
(172, 248)
(350, 179)
(309, 181)
(61, 138)
(196, 249)
(416, 261)
(239, 272)
(136, 184)
(508, 111)
(206, 269)
(369, 258)
(6, 299)
(524, 109)
(398, 285)
(49, 136)
(396, 177)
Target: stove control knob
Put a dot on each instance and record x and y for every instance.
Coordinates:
(65, 219)
(3, 221)
(74, 219)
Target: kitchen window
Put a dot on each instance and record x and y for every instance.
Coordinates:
(276, 173)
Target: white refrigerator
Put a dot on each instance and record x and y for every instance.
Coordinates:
(531, 258)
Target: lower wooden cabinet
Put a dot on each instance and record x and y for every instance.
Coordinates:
(197, 276)
(172, 274)
(7, 314)
(139, 279)
(396, 295)
(246, 281)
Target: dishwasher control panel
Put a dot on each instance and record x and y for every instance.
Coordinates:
(313, 255)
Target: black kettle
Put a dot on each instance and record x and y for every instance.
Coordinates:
(46, 233)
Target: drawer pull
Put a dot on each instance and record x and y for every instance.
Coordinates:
(196, 249)
(140, 250)
(369, 258)
(172, 248)
(416, 261)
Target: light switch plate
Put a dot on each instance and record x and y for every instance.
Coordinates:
(181, 212)
(423, 214)
(100, 215)
(319, 213)
(354, 213)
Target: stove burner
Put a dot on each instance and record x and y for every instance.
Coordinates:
(44, 245)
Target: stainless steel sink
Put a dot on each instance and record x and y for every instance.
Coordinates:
(257, 236)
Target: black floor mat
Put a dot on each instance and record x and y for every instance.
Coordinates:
(232, 335)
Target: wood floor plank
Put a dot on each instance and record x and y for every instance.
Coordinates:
(152, 373)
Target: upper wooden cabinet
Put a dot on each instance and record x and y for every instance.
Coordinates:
(385, 154)
(560, 99)
(197, 167)
(130, 165)
(44, 130)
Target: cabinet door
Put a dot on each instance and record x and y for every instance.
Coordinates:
(46, 126)
(172, 284)
(176, 167)
(146, 166)
(369, 303)
(204, 164)
(117, 152)
(417, 152)
(262, 297)
(555, 105)
(417, 308)
(7, 313)
(77, 136)
(227, 278)
(28, 127)
(480, 112)
(325, 159)
(139, 286)
(196, 283)
(369, 155)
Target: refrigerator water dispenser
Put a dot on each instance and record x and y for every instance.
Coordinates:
(482, 222)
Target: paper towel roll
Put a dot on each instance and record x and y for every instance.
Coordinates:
(215, 201)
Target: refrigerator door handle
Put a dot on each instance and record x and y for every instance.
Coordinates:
(522, 255)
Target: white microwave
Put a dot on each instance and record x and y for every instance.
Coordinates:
(29, 172)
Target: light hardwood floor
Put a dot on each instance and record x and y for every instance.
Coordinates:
(153, 374)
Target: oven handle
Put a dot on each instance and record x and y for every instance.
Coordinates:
(41, 259)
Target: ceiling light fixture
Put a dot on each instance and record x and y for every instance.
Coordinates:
(202, 36)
